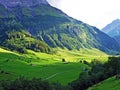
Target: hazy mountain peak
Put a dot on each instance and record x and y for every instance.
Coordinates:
(113, 29)
(112, 26)
(26, 3)
(116, 21)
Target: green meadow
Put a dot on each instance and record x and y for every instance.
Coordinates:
(109, 84)
(47, 66)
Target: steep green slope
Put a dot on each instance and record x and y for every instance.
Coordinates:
(22, 40)
(55, 28)
(14, 37)
(109, 84)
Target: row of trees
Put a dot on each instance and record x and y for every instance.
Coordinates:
(97, 73)
(34, 84)
(86, 79)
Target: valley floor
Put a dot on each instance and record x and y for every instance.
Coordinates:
(46, 66)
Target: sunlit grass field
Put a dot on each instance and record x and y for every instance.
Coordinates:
(109, 84)
(47, 66)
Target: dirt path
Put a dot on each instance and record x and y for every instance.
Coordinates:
(52, 76)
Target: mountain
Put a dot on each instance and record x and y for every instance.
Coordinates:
(26, 3)
(113, 29)
(117, 38)
(48, 25)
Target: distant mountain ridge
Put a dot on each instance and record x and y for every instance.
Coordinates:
(113, 30)
(49, 25)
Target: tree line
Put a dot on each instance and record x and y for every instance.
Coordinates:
(87, 78)
(98, 73)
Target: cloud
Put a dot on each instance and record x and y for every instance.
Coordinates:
(94, 12)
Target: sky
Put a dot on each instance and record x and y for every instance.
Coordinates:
(97, 13)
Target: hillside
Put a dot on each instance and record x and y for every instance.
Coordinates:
(113, 30)
(52, 26)
(109, 84)
(46, 66)
(21, 41)
(28, 3)
(117, 38)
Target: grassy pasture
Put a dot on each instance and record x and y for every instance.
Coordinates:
(46, 66)
(109, 84)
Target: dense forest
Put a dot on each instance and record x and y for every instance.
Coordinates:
(14, 37)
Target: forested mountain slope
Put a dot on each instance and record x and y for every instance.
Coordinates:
(50, 25)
